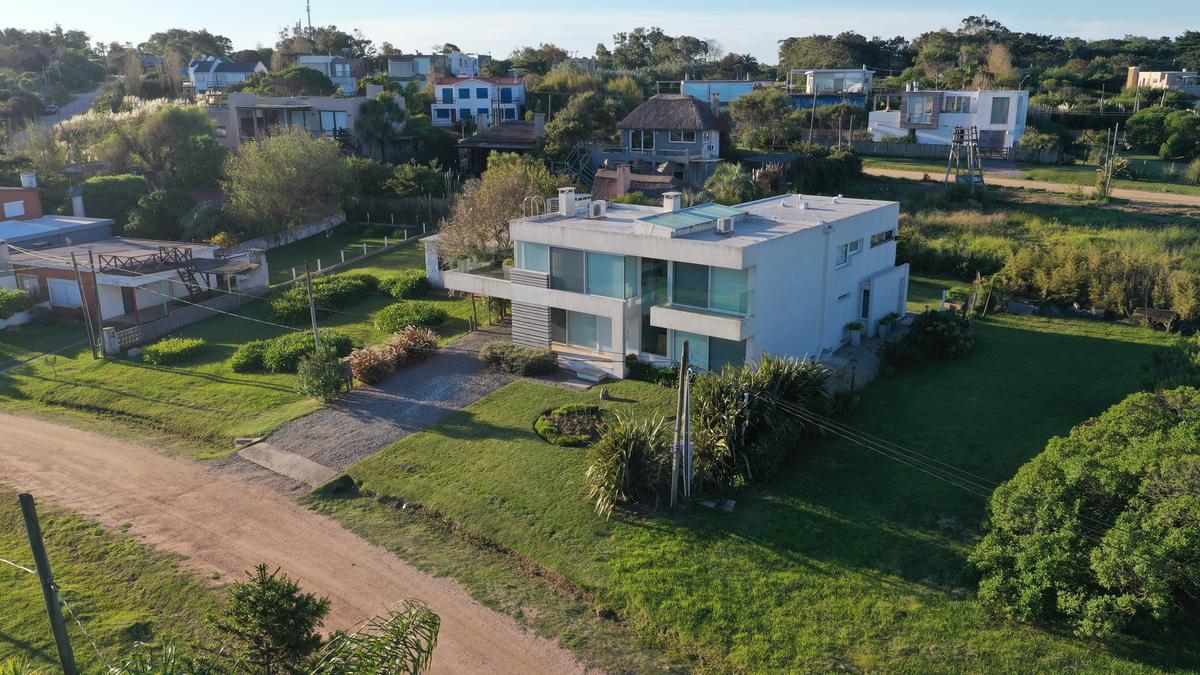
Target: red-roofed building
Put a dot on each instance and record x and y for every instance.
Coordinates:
(499, 99)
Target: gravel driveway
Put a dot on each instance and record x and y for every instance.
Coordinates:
(415, 398)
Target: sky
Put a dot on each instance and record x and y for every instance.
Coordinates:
(496, 28)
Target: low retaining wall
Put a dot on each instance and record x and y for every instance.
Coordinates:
(115, 341)
(284, 238)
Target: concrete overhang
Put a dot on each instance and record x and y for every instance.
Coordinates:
(712, 324)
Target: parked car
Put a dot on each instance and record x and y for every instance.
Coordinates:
(50, 110)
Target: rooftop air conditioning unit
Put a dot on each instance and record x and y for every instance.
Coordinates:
(725, 225)
(597, 208)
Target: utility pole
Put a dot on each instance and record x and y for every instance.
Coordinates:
(679, 426)
(99, 314)
(87, 316)
(312, 307)
(66, 657)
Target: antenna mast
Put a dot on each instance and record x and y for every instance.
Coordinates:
(308, 11)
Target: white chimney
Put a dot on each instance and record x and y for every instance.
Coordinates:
(672, 201)
(77, 202)
(566, 202)
(28, 179)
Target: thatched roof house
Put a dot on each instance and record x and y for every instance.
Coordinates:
(674, 112)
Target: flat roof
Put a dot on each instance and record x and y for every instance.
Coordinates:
(756, 221)
(111, 246)
(47, 225)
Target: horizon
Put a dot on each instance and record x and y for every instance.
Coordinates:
(498, 32)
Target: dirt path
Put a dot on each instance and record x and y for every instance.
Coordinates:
(1163, 198)
(227, 525)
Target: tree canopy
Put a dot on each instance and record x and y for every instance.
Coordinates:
(294, 81)
(1100, 531)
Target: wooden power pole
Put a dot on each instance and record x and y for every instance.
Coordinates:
(87, 315)
(312, 307)
(680, 406)
(58, 626)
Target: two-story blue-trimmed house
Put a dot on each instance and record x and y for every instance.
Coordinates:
(501, 99)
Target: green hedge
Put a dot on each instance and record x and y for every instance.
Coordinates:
(394, 318)
(330, 293)
(519, 360)
(406, 285)
(172, 350)
(283, 354)
(13, 302)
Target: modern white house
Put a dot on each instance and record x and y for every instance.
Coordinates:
(933, 115)
(217, 73)
(817, 87)
(784, 275)
(500, 99)
(344, 72)
(417, 67)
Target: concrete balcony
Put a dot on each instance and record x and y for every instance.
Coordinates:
(701, 321)
(489, 281)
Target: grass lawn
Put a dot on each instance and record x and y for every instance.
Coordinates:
(327, 248)
(1085, 174)
(122, 592)
(847, 560)
(202, 401)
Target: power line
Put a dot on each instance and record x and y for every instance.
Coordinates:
(20, 567)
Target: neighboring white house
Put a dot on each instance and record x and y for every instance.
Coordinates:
(416, 67)
(784, 275)
(499, 98)
(215, 73)
(343, 71)
(998, 114)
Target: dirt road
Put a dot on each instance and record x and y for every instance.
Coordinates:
(223, 524)
(1163, 198)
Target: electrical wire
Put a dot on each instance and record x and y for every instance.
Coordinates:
(18, 566)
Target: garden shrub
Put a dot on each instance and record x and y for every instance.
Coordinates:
(283, 354)
(941, 334)
(372, 365)
(571, 426)
(330, 293)
(644, 371)
(172, 350)
(406, 285)
(319, 374)
(1099, 532)
(248, 358)
(738, 441)
(13, 302)
(395, 317)
(630, 463)
(519, 360)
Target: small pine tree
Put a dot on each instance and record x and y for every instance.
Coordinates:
(272, 622)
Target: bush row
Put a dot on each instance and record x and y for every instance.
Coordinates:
(519, 360)
(330, 293)
(283, 354)
(405, 285)
(172, 350)
(374, 364)
(12, 302)
(393, 318)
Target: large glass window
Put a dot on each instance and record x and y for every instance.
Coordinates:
(577, 329)
(729, 290)
(567, 270)
(654, 292)
(333, 120)
(683, 137)
(535, 257)
(447, 95)
(641, 140)
(481, 92)
(506, 95)
(464, 92)
(957, 104)
(581, 330)
(921, 107)
(697, 348)
(690, 286)
(1000, 110)
(723, 353)
(606, 275)
(558, 325)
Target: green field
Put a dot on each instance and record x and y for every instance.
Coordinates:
(122, 592)
(326, 248)
(1074, 174)
(202, 402)
(847, 560)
